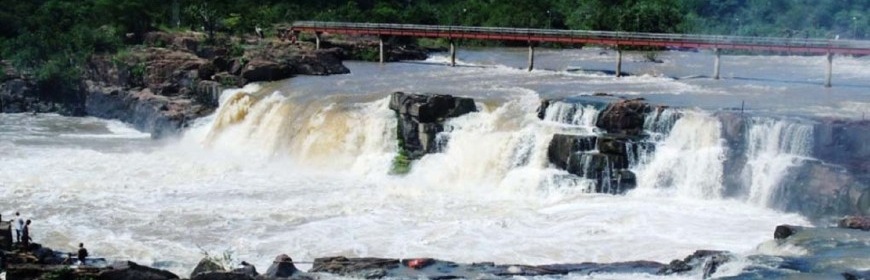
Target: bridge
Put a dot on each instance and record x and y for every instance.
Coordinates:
(616, 39)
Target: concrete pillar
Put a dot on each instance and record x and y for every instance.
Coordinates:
(317, 40)
(618, 62)
(716, 64)
(531, 57)
(452, 53)
(830, 69)
(381, 48)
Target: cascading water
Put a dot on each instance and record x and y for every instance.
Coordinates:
(327, 133)
(773, 146)
(304, 171)
(688, 161)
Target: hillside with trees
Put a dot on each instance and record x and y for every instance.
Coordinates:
(53, 38)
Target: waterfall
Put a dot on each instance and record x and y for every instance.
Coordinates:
(505, 145)
(572, 114)
(773, 146)
(331, 132)
(688, 160)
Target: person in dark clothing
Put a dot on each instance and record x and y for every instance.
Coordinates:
(25, 236)
(83, 253)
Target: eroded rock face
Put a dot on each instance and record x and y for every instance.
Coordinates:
(602, 158)
(421, 118)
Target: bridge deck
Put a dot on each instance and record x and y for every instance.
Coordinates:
(796, 45)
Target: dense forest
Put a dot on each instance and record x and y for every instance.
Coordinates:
(53, 37)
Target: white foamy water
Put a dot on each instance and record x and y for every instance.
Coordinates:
(271, 173)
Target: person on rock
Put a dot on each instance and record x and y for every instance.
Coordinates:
(25, 236)
(19, 226)
(83, 253)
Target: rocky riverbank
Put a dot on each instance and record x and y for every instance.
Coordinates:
(831, 253)
(173, 78)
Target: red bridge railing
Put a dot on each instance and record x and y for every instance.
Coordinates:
(775, 44)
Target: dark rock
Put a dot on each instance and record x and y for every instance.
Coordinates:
(206, 265)
(36, 271)
(282, 267)
(132, 271)
(784, 231)
(247, 269)
(624, 117)
(5, 236)
(706, 260)
(542, 109)
(222, 276)
(562, 146)
(206, 70)
(360, 267)
(421, 117)
(855, 222)
(262, 70)
(856, 275)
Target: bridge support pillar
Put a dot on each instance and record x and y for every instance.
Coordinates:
(317, 40)
(452, 53)
(381, 48)
(618, 62)
(531, 57)
(716, 64)
(830, 69)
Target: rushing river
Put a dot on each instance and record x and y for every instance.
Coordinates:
(301, 166)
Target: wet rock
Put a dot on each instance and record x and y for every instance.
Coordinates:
(624, 117)
(542, 109)
(359, 267)
(784, 231)
(421, 118)
(282, 267)
(206, 265)
(855, 222)
(130, 270)
(818, 189)
(222, 276)
(603, 159)
(562, 146)
(706, 260)
(856, 275)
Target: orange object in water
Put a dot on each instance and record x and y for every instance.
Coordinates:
(416, 263)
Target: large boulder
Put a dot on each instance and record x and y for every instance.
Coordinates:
(624, 116)
(263, 70)
(132, 271)
(282, 267)
(421, 118)
(562, 146)
(206, 265)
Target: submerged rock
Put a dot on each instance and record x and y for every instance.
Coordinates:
(705, 260)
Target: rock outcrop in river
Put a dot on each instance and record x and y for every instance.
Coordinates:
(421, 117)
